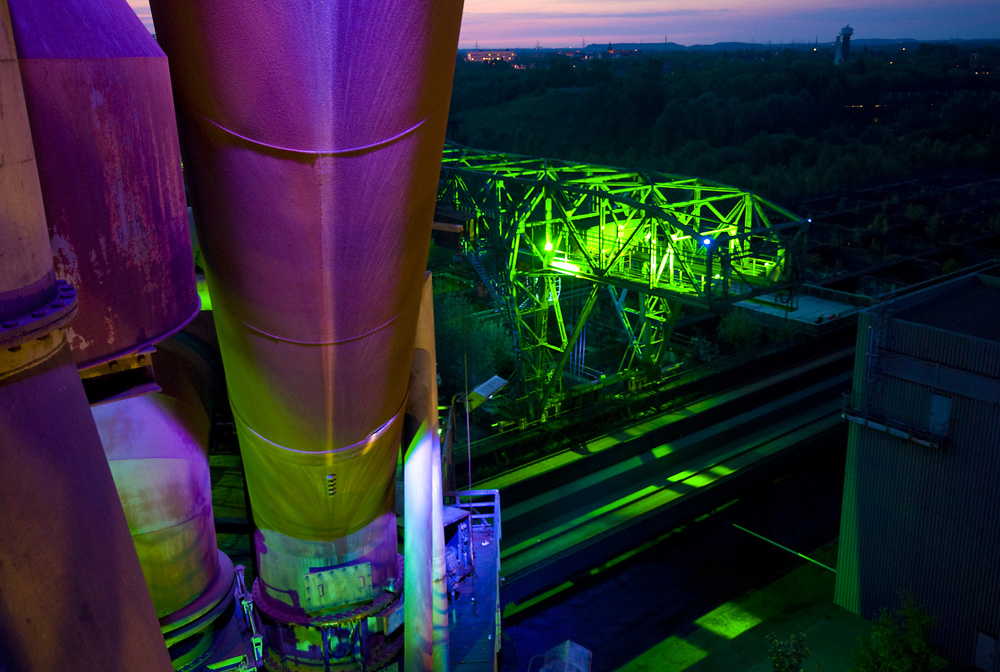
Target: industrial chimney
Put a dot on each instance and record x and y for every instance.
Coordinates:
(312, 137)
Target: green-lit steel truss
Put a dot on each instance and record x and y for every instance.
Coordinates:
(554, 242)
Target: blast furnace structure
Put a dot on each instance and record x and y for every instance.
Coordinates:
(312, 137)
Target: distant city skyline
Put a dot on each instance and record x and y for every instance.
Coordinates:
(493, 24)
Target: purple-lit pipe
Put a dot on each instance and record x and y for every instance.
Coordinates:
(157, 447)
(71, 589)
(26, 276)
(73, 595)
(426, 627)
(98, 93)
(99, 99)
(312, 135)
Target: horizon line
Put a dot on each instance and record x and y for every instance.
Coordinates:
(749, 42)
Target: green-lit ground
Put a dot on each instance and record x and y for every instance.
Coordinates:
(717, 630)
(705, 596)
(733, 636)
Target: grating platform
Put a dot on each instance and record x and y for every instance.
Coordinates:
(807, 313)
(474, 619)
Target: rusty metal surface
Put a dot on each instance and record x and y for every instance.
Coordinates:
(99, 100)
(157, 447)
(313, 136)
(73, 595)
(71, 589)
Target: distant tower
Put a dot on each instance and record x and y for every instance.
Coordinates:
(842, 50)
(846, 33)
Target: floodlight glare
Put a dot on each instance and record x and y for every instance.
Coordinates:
(707, 241)
(566, 266)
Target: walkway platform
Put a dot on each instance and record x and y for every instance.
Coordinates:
(474, 620)
(813, 311)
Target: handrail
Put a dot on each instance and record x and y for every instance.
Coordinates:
(483, 506)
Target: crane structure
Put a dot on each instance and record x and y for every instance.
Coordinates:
(555, 241)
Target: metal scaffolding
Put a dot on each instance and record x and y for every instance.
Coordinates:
(547, 236)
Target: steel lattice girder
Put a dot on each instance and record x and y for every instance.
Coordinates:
(665, 239)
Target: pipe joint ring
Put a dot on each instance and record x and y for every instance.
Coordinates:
(33, 337)
(40, 320)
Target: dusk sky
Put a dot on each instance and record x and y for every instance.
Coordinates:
(567, 23)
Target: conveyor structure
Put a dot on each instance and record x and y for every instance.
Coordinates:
(552, 240)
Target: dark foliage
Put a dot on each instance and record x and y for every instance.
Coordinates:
(783, 124)
(898, 642)
(472, 345)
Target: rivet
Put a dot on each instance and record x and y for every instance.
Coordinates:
(55, 304)
(38, 313)
(9, 325)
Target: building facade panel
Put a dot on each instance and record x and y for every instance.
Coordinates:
(967, 353)
(921, 510)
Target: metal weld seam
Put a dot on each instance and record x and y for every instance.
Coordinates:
(373, 433)
(322, 152)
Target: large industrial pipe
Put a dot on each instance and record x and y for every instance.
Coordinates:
(417, 512)
(426, 627)
(157, 448)
(417, 535)
(99, 100)
(312, 135)
(72, 594)
(26, 276)
(97, 88)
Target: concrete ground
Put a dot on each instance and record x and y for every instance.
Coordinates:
(733, 636)
(706, 596)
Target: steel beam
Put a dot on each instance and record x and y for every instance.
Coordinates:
(670, 239)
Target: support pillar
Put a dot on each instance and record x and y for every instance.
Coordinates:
(426, 596)
(72, 593)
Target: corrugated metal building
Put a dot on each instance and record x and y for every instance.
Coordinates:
(921, 506)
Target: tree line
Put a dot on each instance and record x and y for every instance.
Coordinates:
(784, 124)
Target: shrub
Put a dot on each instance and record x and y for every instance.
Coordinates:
(898, 642)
